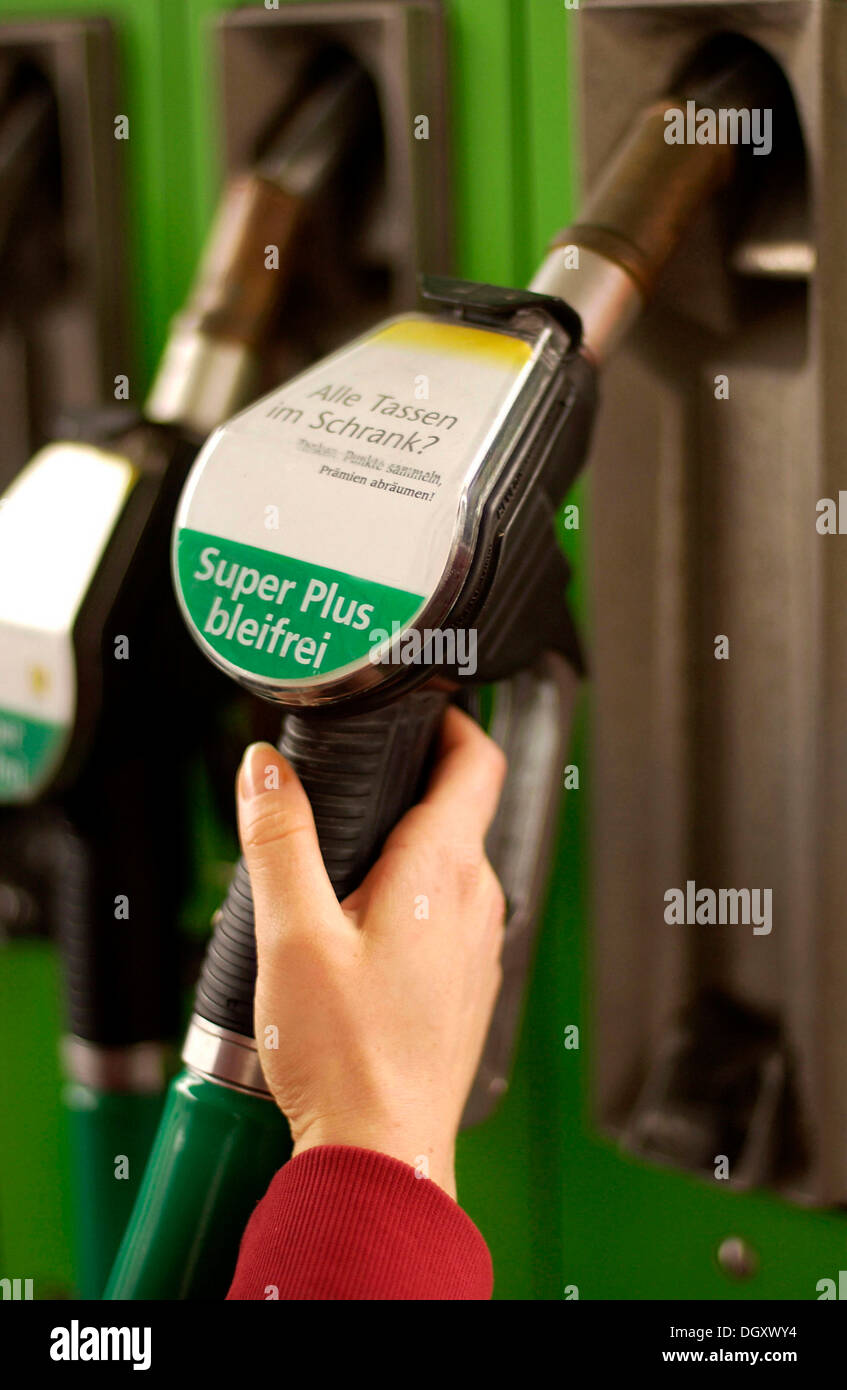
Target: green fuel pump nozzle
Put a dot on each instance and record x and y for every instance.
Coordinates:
(330, 542)
(389, 544)
(89, 640)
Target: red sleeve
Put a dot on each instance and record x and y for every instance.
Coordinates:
(346, 1223)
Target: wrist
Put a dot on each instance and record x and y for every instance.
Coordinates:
(435, 1163)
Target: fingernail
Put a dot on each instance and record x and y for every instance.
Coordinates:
(259, 771)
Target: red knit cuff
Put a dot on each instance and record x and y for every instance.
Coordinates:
(347, 1223)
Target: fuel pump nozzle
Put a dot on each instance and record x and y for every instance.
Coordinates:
(84, 587)
(397, 517)
(639, 210)
(211, 356)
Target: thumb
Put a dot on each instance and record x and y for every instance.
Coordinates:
(277, 829)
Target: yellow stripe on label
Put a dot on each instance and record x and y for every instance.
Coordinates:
(458, 339)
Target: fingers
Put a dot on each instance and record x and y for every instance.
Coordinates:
(467, 780)
(451, 820)
(290, 883)
(280, 843)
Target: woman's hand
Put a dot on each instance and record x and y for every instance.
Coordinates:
(371, 1014)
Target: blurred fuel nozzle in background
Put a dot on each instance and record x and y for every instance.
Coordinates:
(98, 689)
(210, 361)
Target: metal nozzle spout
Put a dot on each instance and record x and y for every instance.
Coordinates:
(606, 263)
(638, 212)
(209, 359)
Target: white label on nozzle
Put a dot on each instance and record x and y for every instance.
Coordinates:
(55, 523)
(327, 513)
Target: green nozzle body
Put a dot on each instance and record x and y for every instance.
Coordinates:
(215, 1150)
(110, 1138)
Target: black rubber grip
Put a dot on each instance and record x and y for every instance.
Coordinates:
(361, 773)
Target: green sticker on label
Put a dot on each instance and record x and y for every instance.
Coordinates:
(28, 751)
(273, 615)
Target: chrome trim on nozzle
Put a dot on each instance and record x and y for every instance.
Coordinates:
(225, 1057)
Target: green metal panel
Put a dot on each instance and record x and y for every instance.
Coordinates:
(35, 1213)
(203, 96)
